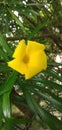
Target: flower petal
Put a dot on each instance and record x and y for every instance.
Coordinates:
(29, 59)
(38, 62)
(18, 66)
(20, 50)
(33, 46)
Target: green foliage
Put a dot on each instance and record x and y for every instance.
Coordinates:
(39, 98)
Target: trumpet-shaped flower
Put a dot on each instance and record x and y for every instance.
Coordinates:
(29, 59)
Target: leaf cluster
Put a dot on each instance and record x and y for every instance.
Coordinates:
(40, 97)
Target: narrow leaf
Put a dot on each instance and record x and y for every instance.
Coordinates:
(35, 31)
(3, 55)
(1, 112)
(6, 105)
(5, 45)
(15, 18)
(8, 84)
(15, 121)
(49, 119)
(8, 125)
(49, 83)
(53, 99)
(3, 68)
(53, 74)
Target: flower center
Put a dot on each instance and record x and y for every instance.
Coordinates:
(25, 59)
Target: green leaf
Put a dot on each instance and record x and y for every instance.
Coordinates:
(49, 83)
(11, 123)
(0, 111)
(4, 55)
(8, 84)
(8, 125)
(35, 31)
(49, 96)
(4, 68)
(49, 119)
(47, 93)
(5, 45)
(6, 105)
(27, 97)
(53, 74)
(18, 100)
(15, 121)
(15, 18)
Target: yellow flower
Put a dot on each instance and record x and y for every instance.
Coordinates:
(29, 59)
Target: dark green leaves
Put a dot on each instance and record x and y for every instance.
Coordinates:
(53, 73)
(1, 110)
(5, 45)
(49, 119)
(8, 84)
(12, 123)
(36, 30)
(41, 95)
(6, 105)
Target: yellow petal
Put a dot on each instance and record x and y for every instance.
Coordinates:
(29, 59)
(18, 66)
(38, 62)
(33, 46)
(20, 50)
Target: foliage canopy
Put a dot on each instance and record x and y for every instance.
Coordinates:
(39, 98)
